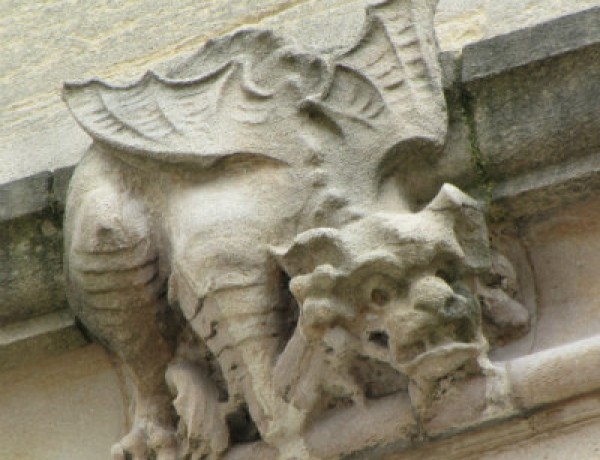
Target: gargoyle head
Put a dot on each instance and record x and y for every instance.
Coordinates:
(398, 283)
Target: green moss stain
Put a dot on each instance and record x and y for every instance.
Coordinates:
(479, 161)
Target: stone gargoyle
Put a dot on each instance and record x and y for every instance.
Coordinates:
(250, 236)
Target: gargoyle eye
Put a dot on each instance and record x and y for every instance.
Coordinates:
(380, 296)
(377, 290)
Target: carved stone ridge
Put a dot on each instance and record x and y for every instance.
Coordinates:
(249, 234)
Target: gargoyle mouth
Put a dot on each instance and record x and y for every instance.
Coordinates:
(422, 359)
(439, 361)
(379, 339)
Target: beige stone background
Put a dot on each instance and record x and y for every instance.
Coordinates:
(69, 407)
(72, 406)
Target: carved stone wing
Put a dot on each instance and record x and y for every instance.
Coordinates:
(396, 79)
(162, 118)
(236, 91)
(143, 115)
(222, 101)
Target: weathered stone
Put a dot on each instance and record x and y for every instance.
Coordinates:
(24, 196)
(525, 116)
(493, 56)
(548, 188)
(31, 279)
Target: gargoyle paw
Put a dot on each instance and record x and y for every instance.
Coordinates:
(146, 441)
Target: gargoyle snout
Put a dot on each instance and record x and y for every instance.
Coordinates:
(431, 294)
(450, 306)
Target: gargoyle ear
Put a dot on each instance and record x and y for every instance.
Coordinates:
(310, 249)
(468, 222)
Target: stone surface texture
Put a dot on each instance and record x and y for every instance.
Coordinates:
(398, 317)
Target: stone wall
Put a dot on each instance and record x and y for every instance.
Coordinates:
(521, 80)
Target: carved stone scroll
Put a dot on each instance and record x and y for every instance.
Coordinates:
(243, 236)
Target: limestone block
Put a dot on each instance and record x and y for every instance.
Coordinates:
(522, 47)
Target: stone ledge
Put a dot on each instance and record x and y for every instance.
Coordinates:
(531, 103)
(522, 47)
(38, 338)
(548, 187)
(24, 196)
(533, 116)
(483, 441)
(34, 193)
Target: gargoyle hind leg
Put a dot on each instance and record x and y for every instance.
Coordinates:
(114, 286)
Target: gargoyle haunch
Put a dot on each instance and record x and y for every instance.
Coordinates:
(247, 234)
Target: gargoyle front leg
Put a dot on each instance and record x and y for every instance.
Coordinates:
(115, 287)
(244, 328)
(202, 425)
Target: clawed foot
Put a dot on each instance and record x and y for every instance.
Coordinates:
(146, 441)
(153, 435)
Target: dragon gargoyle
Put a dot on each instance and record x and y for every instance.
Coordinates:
(247, 234)
(389, 287)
